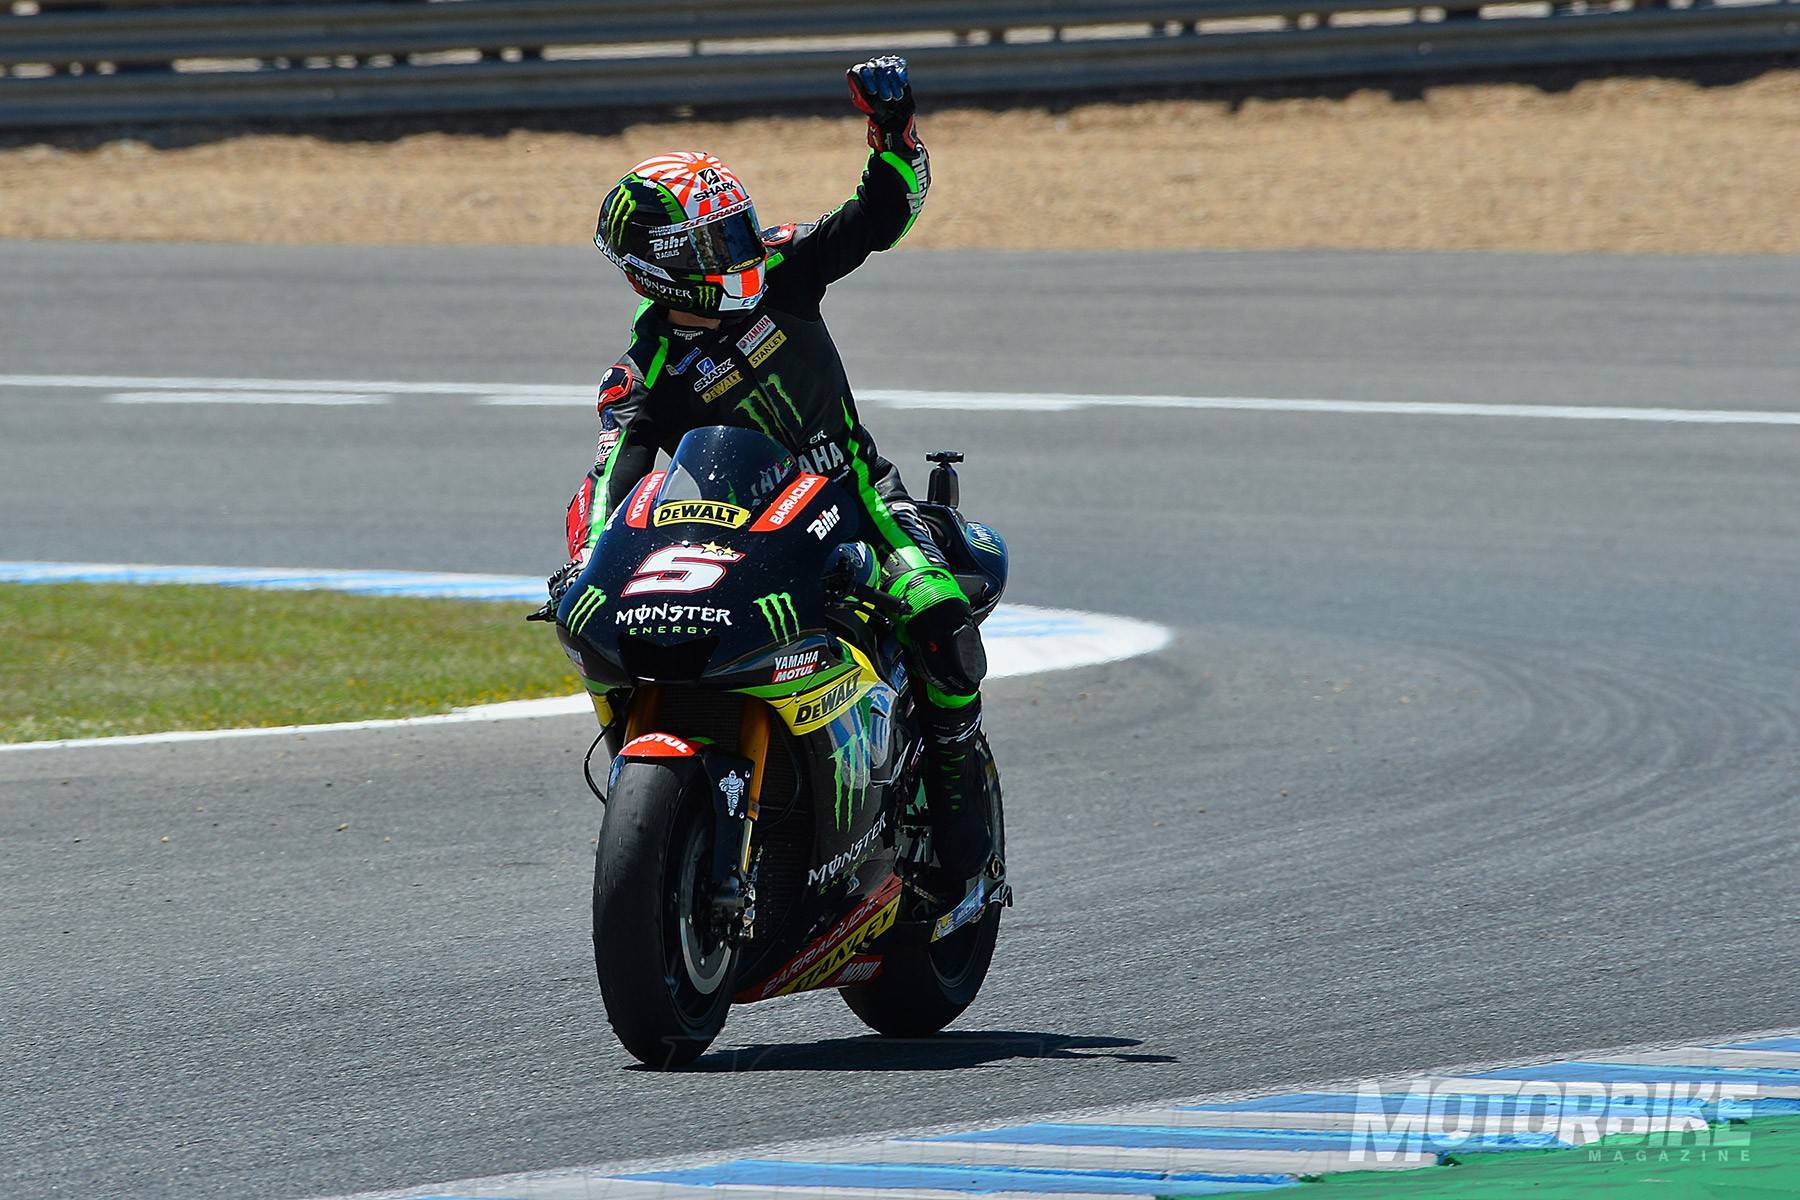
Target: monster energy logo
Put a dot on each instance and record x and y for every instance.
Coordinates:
(774, 381)
(850, 763)
(585, 608)
(777, 609)
(706, 295)
(762, 410)
(747, 406)
(618, 212)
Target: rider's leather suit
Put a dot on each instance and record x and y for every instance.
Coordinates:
(777, 370)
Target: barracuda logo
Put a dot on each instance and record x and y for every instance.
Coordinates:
(851, 770)
(778, 610)
(585, 608)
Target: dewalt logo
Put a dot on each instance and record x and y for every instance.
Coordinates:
(702, 512)
(585, 608)
(724, 385)
(819, 707)
(777, 609)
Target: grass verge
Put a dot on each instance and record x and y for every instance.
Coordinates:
(87, 660)
(1758, 1160)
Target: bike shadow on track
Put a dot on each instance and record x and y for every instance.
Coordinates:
(953, 1051)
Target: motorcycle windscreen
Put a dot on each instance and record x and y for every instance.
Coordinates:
(734, 466)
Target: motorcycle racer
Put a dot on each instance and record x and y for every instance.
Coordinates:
(730, 333)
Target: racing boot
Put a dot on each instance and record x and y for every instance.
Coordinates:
(956, 795)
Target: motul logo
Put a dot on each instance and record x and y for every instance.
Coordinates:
(790, 504)
(657, 745)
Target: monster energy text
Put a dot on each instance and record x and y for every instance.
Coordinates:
(649, 613)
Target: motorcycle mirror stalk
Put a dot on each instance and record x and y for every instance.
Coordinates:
(944, 488)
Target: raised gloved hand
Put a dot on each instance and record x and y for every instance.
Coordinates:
(880, 89)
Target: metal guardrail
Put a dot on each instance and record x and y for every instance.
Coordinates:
(136, 62)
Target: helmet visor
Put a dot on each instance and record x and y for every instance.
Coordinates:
(716, 244)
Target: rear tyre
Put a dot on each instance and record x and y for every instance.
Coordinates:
(921, 989)
(664, 976)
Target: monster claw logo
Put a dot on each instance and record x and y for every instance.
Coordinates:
(778, 610)
(706, 295)
(623, 205)
(850, 762)
(585, 608)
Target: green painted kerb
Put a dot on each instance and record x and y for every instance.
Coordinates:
(1753, 1160)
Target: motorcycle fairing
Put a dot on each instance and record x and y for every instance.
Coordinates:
(828, 955)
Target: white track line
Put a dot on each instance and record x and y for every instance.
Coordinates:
(1021, 640)
(113, 383)
(330, 399)
(263, 391)
(1057, 402)
(512, 710)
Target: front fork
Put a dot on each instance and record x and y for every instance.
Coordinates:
(734, 783)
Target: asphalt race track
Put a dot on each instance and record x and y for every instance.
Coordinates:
(1479, 738)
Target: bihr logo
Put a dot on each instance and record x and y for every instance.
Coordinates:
(824, 523)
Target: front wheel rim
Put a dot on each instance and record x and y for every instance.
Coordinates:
(706, 969)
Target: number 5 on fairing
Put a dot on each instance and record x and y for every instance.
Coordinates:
(683, 569)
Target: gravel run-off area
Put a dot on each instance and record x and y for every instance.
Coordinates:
(1611, 164)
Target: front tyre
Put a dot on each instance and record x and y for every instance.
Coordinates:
(921, 989)
(664, 975)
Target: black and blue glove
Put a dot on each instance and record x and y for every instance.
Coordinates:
(880, 89)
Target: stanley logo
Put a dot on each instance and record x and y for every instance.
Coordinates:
(767, 348)
(702, 512)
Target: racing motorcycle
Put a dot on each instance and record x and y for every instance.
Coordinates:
(764, 827)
